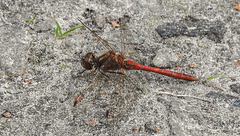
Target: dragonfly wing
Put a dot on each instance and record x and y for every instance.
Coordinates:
(121, 99)
(108, 99)
(128, 40)
(104, 42)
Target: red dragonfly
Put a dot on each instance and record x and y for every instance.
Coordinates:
(111, 62)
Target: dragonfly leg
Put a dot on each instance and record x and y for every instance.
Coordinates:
(92, 72)
(81, 71)
(102, 72)
(78, 74)
(116, 72)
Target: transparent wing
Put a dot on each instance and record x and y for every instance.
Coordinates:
(122, 98)
(104, 42)
(128, 41)
(109, 99)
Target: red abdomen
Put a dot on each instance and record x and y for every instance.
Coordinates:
(133, 65)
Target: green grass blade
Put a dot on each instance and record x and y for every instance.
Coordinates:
(28, 20)
(217, 77)
(212, 77)
(33, 17)
(59, 29)
(58, 26)
(70, 30)
(55, 32)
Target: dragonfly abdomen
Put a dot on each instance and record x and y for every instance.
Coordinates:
(133, 65)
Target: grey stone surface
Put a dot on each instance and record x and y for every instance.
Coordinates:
(39, 74)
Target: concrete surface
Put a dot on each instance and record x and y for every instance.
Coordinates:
(39, 74)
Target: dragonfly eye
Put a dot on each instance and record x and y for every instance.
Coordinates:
(88, 61)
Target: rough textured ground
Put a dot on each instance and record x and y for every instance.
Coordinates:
(39, 74)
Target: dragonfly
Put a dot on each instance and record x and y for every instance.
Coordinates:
(112, 61)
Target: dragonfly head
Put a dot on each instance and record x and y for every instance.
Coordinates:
(89, 61)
